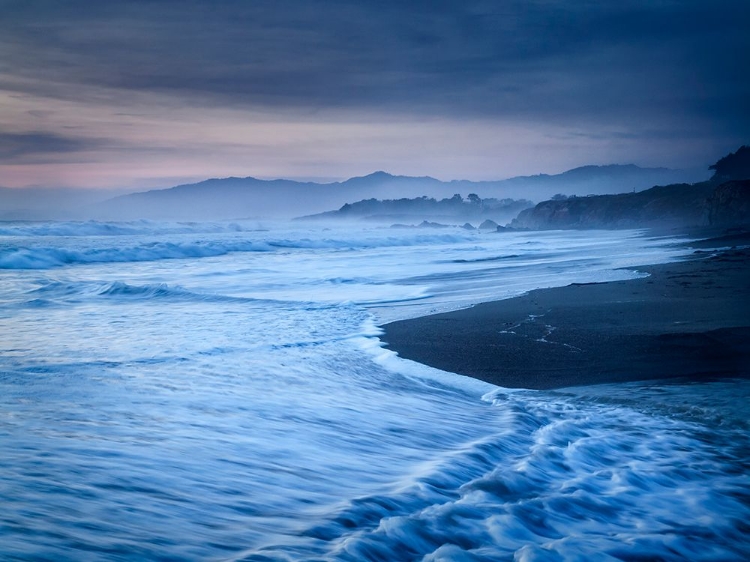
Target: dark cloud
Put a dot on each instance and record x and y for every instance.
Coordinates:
(669, 62)
(41, 146)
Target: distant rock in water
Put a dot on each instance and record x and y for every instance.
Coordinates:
(428, 224)
(488, 225)
(468, 226)
(423, 224)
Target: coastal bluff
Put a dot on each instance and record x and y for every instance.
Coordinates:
(723, 202)
(670, 206)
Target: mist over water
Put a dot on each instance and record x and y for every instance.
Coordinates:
(192, 391)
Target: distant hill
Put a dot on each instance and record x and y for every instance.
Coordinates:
(670, 206)
(600, 180)
(710, 203)
(231, 198)
(452, 210)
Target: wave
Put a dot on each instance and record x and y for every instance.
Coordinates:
(48, 258)
(559, 483)
(36, 257)
(97, 228)
(56, 291)
(50, 293)
(480, 260)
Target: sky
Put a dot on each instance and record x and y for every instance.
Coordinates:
(137, 93)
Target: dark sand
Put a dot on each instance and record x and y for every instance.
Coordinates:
(689, 319)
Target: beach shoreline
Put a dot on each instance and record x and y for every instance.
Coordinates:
(688, 319)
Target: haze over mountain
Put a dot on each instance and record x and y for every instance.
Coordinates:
(231, 198)
(51, 203)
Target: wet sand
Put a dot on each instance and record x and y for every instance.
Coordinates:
(689, 319)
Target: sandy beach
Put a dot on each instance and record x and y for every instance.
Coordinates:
(689, 319)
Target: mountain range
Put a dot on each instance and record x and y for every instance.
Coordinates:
(253, 198)
(234, 198)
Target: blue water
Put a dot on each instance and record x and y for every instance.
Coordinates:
(218, 392)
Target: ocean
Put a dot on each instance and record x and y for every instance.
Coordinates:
(218, 391)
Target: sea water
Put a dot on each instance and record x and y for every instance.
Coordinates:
(183, 391)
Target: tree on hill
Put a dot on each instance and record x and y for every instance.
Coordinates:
(735, 166)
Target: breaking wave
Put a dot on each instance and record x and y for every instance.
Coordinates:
(40, 257)
(63, 290)
(97, 228)
(564, 481)
(47, 258)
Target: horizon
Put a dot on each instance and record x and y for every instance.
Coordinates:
(136, 96)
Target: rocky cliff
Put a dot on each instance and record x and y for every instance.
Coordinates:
(729, 204)
(679, 205)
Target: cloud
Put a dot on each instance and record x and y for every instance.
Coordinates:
(628, 74)
(526, 59)
(41, 146)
